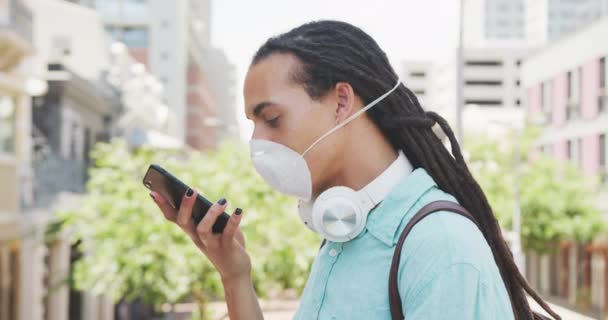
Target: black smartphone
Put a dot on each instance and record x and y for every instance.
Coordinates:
(172, 189)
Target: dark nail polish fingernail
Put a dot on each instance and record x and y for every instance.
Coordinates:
(222, 201)
(189, 193)
(238, 211)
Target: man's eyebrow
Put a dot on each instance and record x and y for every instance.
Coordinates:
(260, 107)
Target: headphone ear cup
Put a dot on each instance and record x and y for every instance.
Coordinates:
(339, 214)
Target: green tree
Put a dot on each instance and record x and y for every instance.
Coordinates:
(556, 199)
(132, 251)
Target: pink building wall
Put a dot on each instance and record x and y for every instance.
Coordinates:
(560, 150)
(591, 154)
(534, 100)
(590, 89)
(559, 98)
(559, 95)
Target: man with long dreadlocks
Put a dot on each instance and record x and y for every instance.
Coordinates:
(336, 128)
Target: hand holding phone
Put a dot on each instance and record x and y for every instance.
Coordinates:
(172, 190)
(214, 232)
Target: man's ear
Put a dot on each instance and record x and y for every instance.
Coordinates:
(345, 101)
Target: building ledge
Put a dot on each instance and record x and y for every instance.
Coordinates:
(574, 129)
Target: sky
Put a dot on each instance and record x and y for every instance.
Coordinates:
(405, 29)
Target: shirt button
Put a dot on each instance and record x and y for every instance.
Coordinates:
(333, 252)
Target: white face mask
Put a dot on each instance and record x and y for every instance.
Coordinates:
(286, 170)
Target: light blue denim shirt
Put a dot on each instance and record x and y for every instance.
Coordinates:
(447, 269)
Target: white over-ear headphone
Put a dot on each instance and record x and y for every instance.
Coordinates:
(339, 213)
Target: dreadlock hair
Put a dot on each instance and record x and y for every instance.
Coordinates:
(330, 52)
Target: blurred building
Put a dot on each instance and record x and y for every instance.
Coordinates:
(172, 39)
(491, 87)
(74, 113)
(498, 35)
(16, 289)
(566, 85)
(222, 79)
(489, 21)
(547, 20)
(57, 99)
(416, 76)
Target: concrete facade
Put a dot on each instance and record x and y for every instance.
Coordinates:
(491, 84)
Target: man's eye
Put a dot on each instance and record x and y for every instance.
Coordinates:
(274, 122)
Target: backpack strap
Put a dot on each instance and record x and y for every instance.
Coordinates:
(393, 288)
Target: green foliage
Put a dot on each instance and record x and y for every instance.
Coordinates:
(556, 198)
(132, 251)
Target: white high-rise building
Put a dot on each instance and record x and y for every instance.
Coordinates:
(491, 85)
(493, 21)
(547, 20)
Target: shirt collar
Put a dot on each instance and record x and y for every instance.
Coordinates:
(384, 221)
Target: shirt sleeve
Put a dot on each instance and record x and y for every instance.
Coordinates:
(454, 293)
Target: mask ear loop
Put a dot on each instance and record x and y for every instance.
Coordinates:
(352, 117)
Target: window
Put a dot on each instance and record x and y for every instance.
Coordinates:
(133, 37)
(603, 156)
(574, 151)
(417, 74)
(603, 72)
(518, 63)
(484, 63)
(569, 81)
(485, 103)
(74, 141)
(483, 83)
(578, 83)
(603, 151)
(574, 90)
(602, 99)
(503, 23)
(419, 92)
(517, 83)
(61, 46)
(124, 9)
(7, 124)
(518, 102)
(87, 148)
